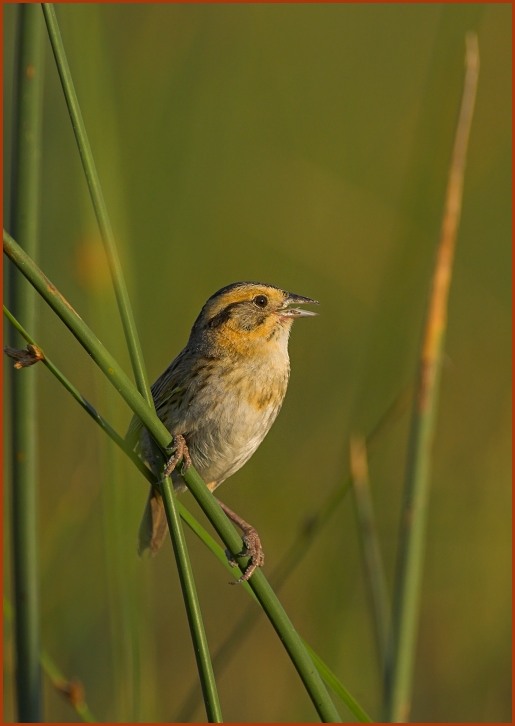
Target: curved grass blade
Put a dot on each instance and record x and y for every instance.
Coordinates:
(406, 600)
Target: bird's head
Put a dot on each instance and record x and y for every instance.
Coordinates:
(249, 316)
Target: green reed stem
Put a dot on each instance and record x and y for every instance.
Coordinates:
(372, 558)
(136, 355)
(406, 600)
(194, 614)
(98, 201)
(77, 395)
(27, 125)
(207, 501)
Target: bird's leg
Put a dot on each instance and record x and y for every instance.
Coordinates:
(179, 447)
(251, 541)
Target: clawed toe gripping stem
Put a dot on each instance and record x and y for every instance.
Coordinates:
(251, 545)
(178, 450)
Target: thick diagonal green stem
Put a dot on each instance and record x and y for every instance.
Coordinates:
(122, 383)
(274, 610)
(291, 559)
(25, 188)
(270, 604)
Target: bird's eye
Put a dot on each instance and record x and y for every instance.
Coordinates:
(261, 301)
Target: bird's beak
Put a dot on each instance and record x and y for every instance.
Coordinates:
(292, 299)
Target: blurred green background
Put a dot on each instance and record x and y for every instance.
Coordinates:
(306, 146)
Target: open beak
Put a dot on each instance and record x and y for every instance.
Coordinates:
(287, 312)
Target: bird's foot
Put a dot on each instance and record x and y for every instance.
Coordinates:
(178, 450)
(252, 548)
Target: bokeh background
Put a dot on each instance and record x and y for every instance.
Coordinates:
(306, 146)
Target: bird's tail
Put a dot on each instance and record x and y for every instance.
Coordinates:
(154, 527)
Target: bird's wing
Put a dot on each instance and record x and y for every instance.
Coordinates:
(167, 393)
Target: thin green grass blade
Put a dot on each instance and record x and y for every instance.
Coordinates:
(68, 385)
(334, 683)
(193, 611)
(372, 557)
(99, 205)
(25, 222)
(179, 543)
(406, 596)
